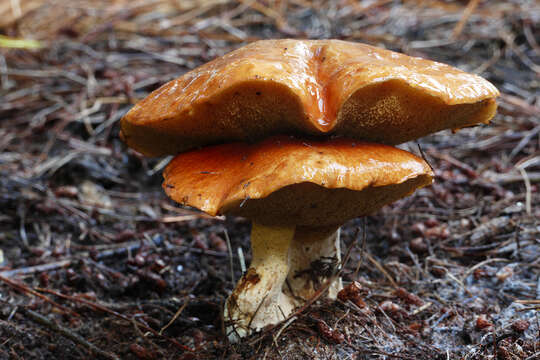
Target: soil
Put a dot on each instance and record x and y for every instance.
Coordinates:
(96, 262)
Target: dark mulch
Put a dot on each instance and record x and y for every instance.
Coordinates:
(98, 263)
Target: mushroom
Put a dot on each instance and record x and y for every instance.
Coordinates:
(297, 194)
(231, 122)
(315, 87)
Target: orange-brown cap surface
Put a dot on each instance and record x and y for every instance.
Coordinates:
(283, 180)
(315, 87)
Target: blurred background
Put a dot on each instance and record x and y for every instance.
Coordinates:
(95, 261)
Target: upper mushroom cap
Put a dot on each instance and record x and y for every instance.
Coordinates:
(284, 180)
(313, 87)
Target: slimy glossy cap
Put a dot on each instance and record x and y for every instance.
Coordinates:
(287, 181)
(307, 87)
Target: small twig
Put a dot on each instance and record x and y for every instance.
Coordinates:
(495, 341)
(160, 165)
(534, 356)
(142, 335)
(528, 302)
(471, 6)
(229, 250)
(469, 171)
(362, 249)
(36, 268)
(518, 243)
(22, 230)
(380, 352)
(509, 40)
(383, 270)
(342, 317)
(256, 311)
(230, 319)
(424, 156)
(459, 282)
(387, 317)
(244, 201)
(528, 189)
(176, 315)
(68, 333)
(480, 264)
(241, 259)
(535, 308)
(285, 325)
(27, 290)
(421, 308)
(180, 218)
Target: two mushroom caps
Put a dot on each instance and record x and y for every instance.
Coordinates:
(275, 132)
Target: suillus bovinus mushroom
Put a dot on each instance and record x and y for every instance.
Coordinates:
(297, 194)
(276, 132)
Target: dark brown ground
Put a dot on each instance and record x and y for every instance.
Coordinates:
(96, 261)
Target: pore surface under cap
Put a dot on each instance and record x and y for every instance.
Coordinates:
(315, 87)
(283, 180)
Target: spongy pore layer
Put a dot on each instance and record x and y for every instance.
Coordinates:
(307, 87)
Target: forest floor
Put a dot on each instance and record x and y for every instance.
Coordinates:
(96, 262)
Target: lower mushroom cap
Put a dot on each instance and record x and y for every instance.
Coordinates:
(288, 181)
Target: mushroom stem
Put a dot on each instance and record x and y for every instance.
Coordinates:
(314, 258)
(258, 299)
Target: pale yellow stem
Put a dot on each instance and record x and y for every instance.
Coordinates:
(258, 299)
(314, 258)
